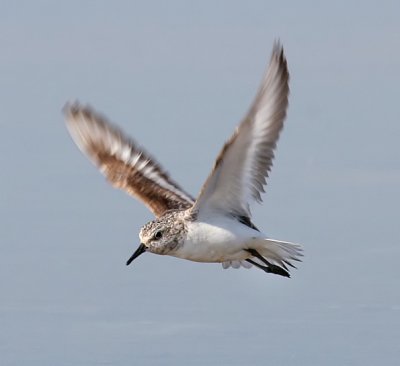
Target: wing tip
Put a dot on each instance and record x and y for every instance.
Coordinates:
(277, 49)
(278, 55)
(74, 109)
(71, 108)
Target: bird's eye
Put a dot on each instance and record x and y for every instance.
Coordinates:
(158, 235)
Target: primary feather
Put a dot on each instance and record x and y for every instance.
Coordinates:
(125, 165)
(240, 171)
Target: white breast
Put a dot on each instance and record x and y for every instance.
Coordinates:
(219, 240)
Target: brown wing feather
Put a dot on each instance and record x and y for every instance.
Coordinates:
(125, 165)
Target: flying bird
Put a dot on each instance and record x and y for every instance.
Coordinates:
(215, 227)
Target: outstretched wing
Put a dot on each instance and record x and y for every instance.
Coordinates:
(125, 165)
(240, 171)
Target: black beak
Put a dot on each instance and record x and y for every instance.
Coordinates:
(142, 248)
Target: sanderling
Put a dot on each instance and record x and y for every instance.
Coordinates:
(216, 227)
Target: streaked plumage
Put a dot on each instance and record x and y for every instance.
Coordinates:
(217, 226)
(125, 165)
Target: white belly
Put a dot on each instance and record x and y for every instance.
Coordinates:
(221, 241)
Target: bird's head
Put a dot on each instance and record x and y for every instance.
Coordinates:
(161, 236)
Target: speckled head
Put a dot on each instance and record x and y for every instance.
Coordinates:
(162, 236)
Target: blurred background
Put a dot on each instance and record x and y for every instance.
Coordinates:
(178, 77)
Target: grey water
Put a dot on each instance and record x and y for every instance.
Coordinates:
(178, 78)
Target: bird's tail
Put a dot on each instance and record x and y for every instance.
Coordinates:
(273, 256)
(279, 252)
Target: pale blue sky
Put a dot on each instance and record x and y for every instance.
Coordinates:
(178, 77)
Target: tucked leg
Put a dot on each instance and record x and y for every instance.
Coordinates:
(269, 268)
